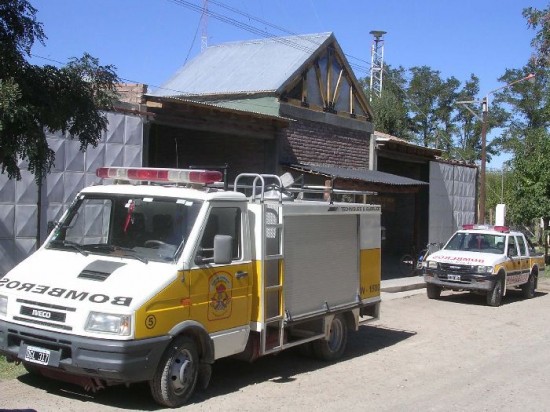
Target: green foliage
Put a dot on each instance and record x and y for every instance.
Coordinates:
(531, 177)
(9, 370)
(36, 99)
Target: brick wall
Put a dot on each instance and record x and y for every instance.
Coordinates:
(309, 142)
(131, 92)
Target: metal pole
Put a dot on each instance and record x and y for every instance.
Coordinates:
(485, 109)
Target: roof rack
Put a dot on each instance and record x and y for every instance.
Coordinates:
(282, 188)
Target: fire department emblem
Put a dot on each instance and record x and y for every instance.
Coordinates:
(220, 296)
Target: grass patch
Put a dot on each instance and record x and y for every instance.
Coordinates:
(10, 370)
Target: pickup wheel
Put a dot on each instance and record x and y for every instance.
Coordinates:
(176, 376)
(494, 296)
(433, 291)
(528, 289)
(334, 347)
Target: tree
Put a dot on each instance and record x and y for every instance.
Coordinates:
(35, 99)
(531, 177)
(390, 110)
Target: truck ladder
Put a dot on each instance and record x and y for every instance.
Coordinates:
(272, 333)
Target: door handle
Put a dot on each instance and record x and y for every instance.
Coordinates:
(240, 275)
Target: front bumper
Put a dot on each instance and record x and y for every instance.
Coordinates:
(106, 359)
(468, 281)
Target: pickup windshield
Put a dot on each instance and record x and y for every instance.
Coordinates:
(477, 242)
(142, 228)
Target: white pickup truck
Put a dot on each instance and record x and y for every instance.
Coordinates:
(484, 259)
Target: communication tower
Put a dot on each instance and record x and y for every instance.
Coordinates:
(377, 63)
(204, 25)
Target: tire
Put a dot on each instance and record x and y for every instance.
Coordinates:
(494, 296)
(176, 375)
(433, 291)
(528, 289)
(335, 346)
(406, 265)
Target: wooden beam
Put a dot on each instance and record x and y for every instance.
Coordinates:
(320, 83)
(329, 75)
(338, 87)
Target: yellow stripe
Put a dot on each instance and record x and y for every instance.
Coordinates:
(370, 273)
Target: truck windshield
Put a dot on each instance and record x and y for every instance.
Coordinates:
(477, 242)
(143, 228)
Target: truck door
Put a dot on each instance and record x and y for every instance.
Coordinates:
(524, 257)
(513, 267)
(221, 294)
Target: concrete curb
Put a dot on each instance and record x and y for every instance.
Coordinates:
(402, 284)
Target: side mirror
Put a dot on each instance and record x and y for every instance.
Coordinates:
(51, 225)
(223, 246)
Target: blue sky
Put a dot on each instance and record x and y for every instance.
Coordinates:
(148, 40)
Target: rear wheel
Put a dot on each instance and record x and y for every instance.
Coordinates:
(176, 376)
(528, 289)
(494, 296)
(433, 291)
(334, 347)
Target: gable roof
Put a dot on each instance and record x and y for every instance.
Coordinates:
(246, 67)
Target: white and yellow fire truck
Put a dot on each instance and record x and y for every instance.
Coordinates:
(484, 259)
(154, 279)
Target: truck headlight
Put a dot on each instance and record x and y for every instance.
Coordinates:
(109, 323)
(432, 264)
(3, 305)
(484, 269)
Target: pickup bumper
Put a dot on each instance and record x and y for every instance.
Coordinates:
(113, 361)
(464, 281)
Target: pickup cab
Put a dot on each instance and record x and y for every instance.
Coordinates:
(484, 259)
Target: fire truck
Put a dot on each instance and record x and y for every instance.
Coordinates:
(157, 273)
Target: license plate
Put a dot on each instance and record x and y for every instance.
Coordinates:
(37, 355)
(453, 277)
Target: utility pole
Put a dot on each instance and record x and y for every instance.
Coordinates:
(484, 112)
(484, 120)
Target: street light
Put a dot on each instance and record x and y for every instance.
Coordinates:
(484, 118)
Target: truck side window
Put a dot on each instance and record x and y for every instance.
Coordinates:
(522, 246)
(221, 221)
(512, 250)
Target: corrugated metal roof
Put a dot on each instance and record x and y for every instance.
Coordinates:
(244, 67)
(370, 176)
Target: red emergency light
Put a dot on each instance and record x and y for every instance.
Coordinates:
(502, 229)
(162, 175)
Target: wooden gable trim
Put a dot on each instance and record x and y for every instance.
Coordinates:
(331, 77)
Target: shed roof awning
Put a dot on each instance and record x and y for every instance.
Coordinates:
(375, 180)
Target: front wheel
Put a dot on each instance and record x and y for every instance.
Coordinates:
(176, 376)
(433, 291)
(406, 265)
(494, 296)
(334, 347)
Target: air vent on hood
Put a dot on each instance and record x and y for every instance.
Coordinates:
(99, 270)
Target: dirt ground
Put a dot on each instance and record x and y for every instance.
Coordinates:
(451, 354)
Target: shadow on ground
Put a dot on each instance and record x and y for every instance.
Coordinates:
(230, 375)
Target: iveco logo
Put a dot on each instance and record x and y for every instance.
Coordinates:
(454, 267)
(41, 314)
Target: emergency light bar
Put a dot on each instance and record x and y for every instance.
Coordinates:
(160, 175)
(502, 229)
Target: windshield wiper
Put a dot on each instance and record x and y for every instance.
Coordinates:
(128, 252)
(74, 245)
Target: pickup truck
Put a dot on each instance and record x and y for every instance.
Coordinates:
(484, 259)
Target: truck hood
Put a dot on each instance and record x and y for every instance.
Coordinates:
(462, 257)
(104, 283)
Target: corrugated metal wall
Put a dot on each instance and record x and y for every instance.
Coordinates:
(452, 199)
(121, 145)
